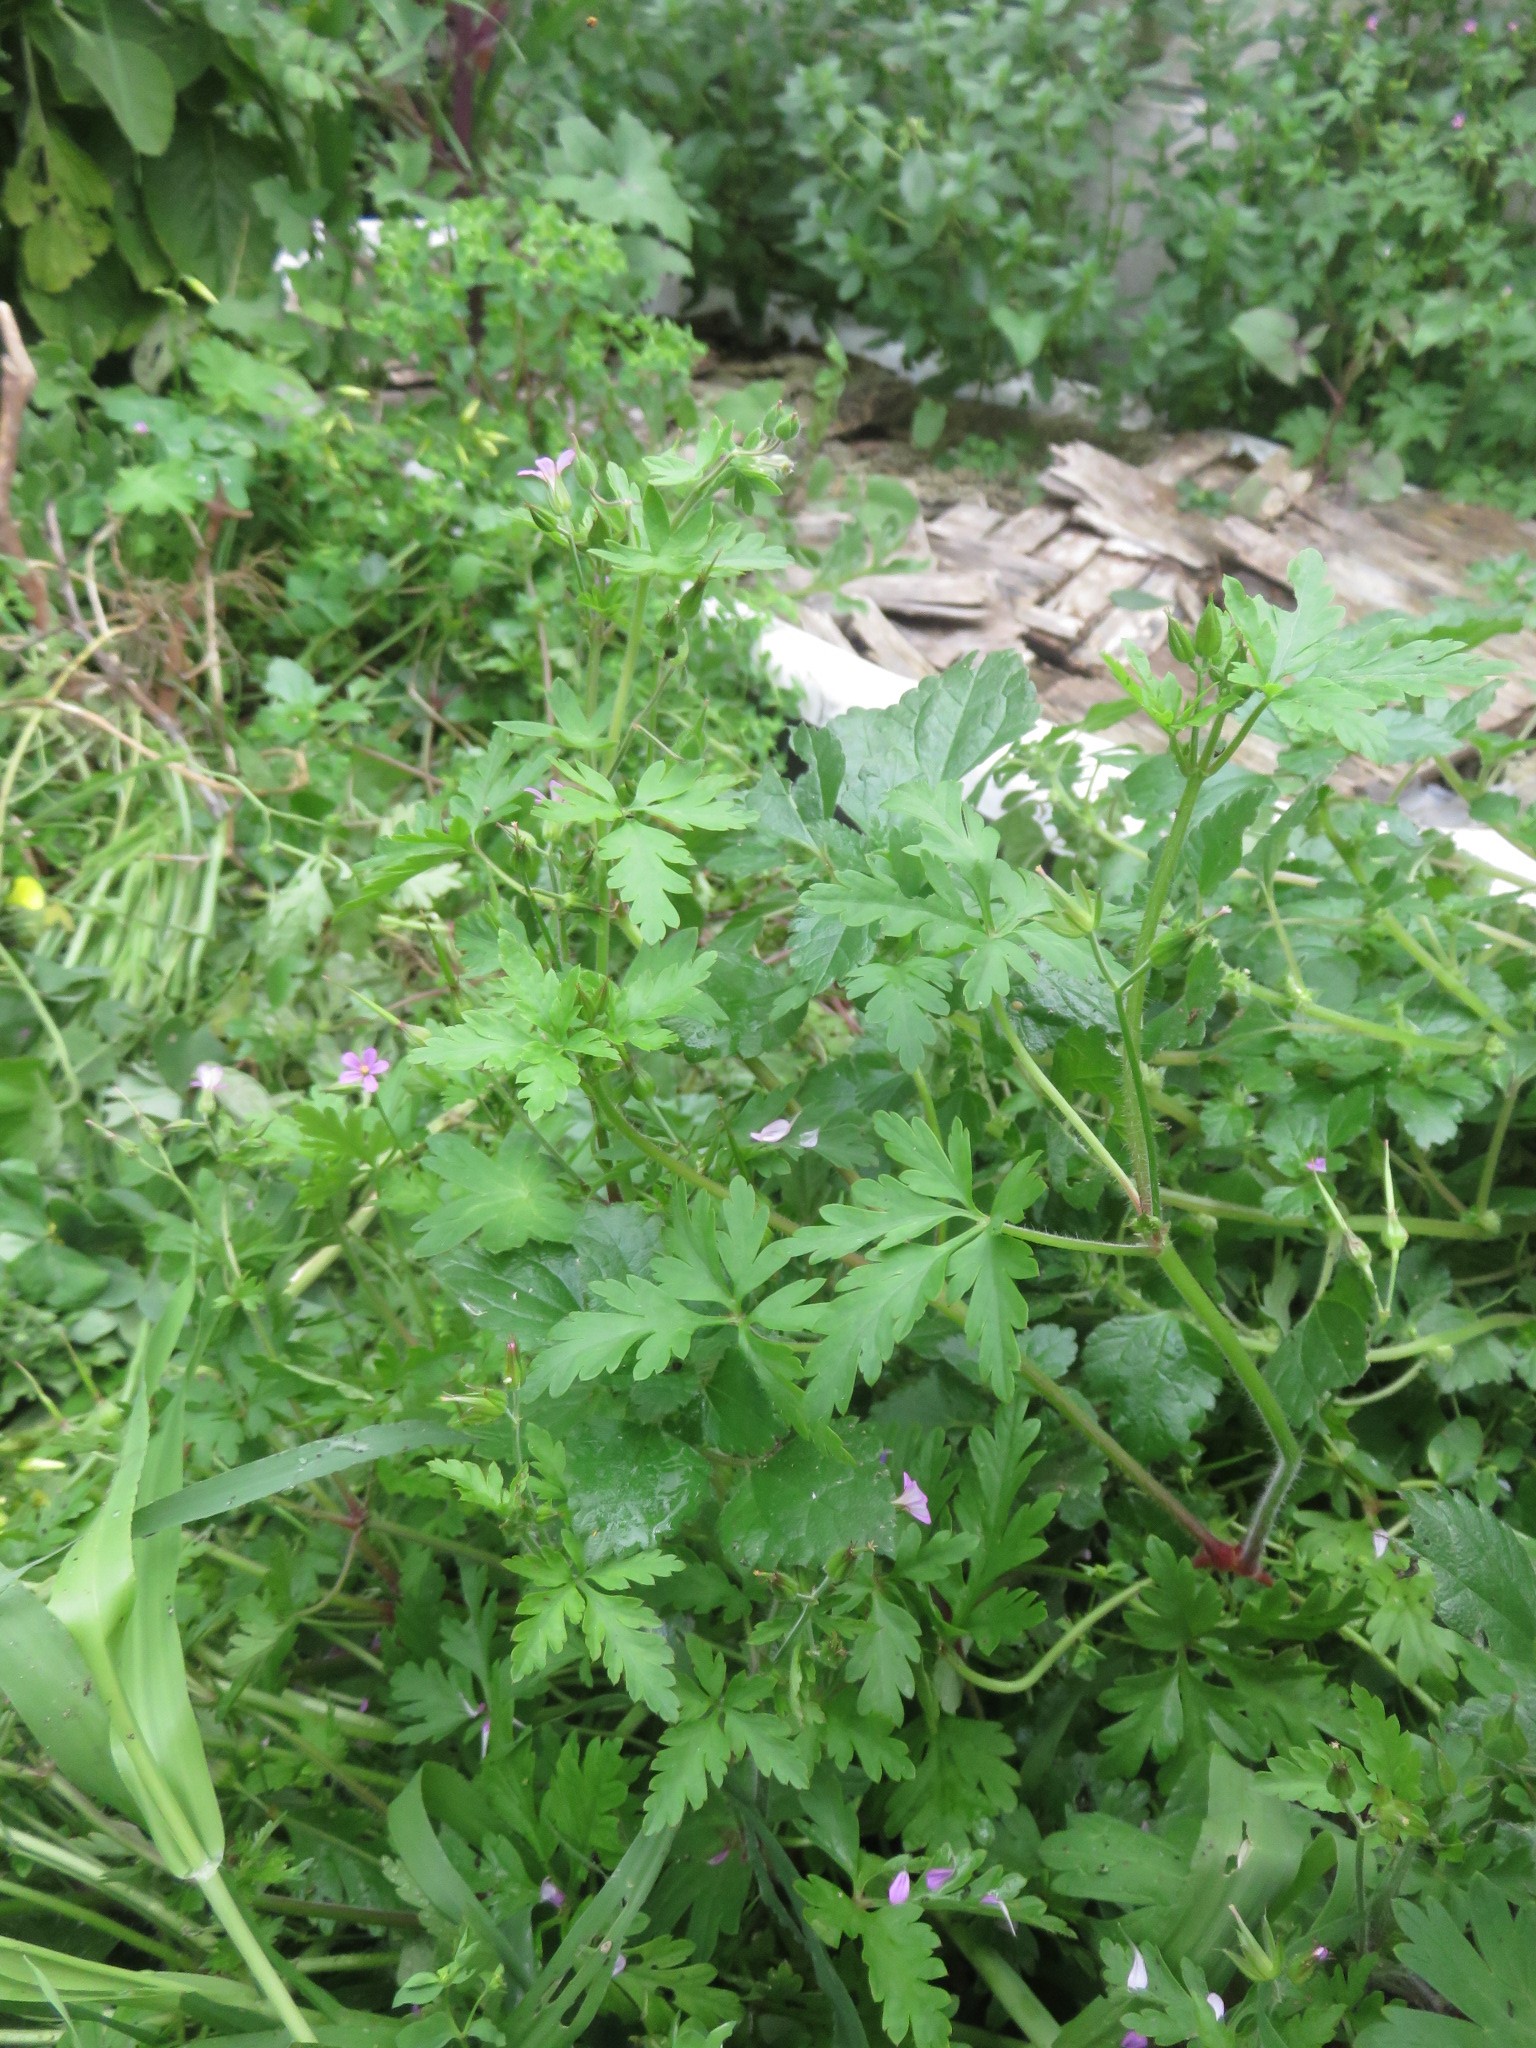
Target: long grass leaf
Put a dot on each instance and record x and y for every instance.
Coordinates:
(244, 1484)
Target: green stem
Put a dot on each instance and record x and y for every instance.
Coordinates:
(1113, 1247)
(1064, 1642)
(1461, 1333)
(1490, 1170)
(1241, 1212)
(1452, 983)
(627, 672)
(1258, 1390)
(1363, 1027)
(254, 1956)
(1046, 1088)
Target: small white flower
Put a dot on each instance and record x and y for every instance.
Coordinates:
(807, 1139)
(774, 1132)
(1137, 1980)
(208, 1077)
(1380, 1541)
(1217, 2004)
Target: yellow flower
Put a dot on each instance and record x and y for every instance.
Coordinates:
(27, 893)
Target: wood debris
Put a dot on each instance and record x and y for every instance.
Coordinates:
(1113, 547)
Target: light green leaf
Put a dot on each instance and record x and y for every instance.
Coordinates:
(131, 79)
(504, 1197)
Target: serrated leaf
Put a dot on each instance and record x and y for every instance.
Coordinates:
(883, 1657)
(1156, 1390)
(504, 1197)
(901, 1954)
(1485, 1575)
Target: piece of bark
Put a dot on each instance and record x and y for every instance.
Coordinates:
(1187, 456)
(956, 534)
(1115, 499)
(814, 619)
(1027, 531)
(874, 636)
(949, 595)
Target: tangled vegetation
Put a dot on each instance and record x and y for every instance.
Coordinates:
(675, 1377)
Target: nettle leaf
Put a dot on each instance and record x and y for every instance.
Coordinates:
(806, 1503)
(1156, 1387)
(939, 732)
(1485, 1574)
(504, 1197)
(1322, 1353)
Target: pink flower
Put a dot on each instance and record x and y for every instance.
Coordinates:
(1469, 27)
(362, 1070)
(1458, 120)
(550, 468)
(550, 1893)
(1317, 1165)
(208, 1077)
(1321, 1954)
(900, 1889)
(773, 1132)
(939, 1876)
(913, 1499)
(1372, 23)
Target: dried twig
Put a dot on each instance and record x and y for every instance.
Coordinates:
(18, 380)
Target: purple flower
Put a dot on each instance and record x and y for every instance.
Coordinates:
(900, 1889)
(1372, 23)
(774, 1132)
(1217, 2004)
(550, 468)
(139, 427)
(885, 1456)
(1317, 1165)
(208, 1077)
(939, 1876)
(997, 1899)
(550, 1893)
(1131, 2039)
(1469, 27)
(362, 1070)
(720, 1856)
(1136, 1979)
(1458, 120)
(1321, 1954)
(362, 1705)
(913, 1499)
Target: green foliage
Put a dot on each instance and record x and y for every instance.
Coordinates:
(821, 1430)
